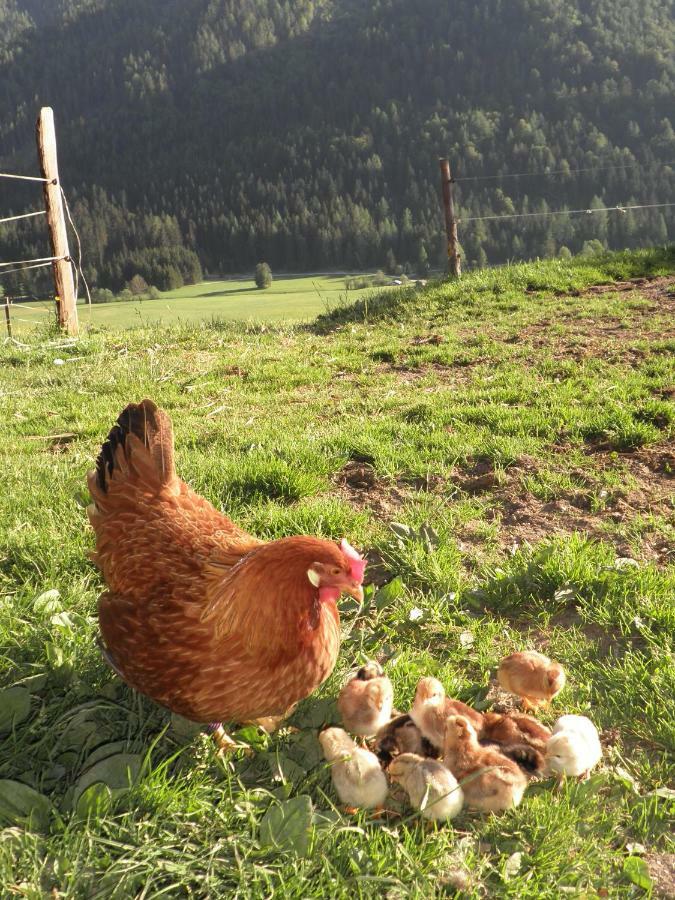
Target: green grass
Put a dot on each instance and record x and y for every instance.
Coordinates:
(288, 299)
(526, 420)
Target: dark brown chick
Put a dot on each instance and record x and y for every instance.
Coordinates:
(401, 735)
(520, 737)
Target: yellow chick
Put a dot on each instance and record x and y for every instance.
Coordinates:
(431, 787)
(431, 708)
(531, 676)
(366, 701)
(357, 777)
(491, 782)
(401, 735)
(573, 749)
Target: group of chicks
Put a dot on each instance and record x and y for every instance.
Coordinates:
(445, 754)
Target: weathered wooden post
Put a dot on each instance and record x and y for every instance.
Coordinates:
(64, 286)
(454, 258)
(7, 317)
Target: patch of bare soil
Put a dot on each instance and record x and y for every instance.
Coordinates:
(364, 488)
(608, 336)
(662, 873)
(525, 518)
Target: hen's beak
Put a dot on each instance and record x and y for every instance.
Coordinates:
(354, 589)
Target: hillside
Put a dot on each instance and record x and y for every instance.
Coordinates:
(308, 133)
(516, 429)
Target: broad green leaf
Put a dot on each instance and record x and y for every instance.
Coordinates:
(119, 772)
(104, 751)
(317, 713)
(305, 750)
(62, 620)
(512, 865)
(33, 683)
(389, 593)
(430, 538)
(22, 805)
(95, 801)
(285, 770)
(184, 729)
(405, 532)
(14, 707)
(48, 604)
(637, 870)
(288, 825)
(253, 736)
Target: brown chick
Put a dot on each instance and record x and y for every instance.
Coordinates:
(531, 676)
(366, 701)
(491, 782)
(520, 737)
(431, 708)
(515, 728)
(401, 735)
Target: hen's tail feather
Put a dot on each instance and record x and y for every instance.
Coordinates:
(141, 440)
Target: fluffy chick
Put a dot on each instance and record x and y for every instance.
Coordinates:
(520, 737)
(531, 676)
(574, 748)
(431, 708)
(514, 728)
(401, 735)
(431, 787)
(491, 781)
(357, 777)
(366, 701)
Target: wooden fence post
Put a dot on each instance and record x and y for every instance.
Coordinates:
(454, 258)
(7, 317)
(64, 286)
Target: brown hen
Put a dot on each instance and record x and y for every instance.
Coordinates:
(202, 617)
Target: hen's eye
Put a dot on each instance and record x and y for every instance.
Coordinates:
(335, 570)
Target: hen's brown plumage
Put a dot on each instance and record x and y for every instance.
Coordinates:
(202, 617)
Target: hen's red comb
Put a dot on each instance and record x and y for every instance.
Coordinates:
(358, 564)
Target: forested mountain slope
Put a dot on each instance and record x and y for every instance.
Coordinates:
(307, 133)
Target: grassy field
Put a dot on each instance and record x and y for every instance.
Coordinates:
(525, 416)
(288, 299)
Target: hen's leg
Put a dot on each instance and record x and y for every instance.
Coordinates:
(221, 738)
(270, 724)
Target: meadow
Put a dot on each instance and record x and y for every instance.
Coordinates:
(502, 449)
(288, 299)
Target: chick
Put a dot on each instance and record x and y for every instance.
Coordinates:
(531, 676)
(517, 736)
(357, 777)
(431, 708)
(514, 728)
(401, 735)
(366, 701)
(431, 787)
(491, 782)
(573, 749)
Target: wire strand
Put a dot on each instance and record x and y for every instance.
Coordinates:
(554, 172)
(567, 212)
(79, 252)
(24, 268)
(38, 259)
(40, 212)
(27, 178)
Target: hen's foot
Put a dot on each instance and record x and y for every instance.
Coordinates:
(226, 744)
